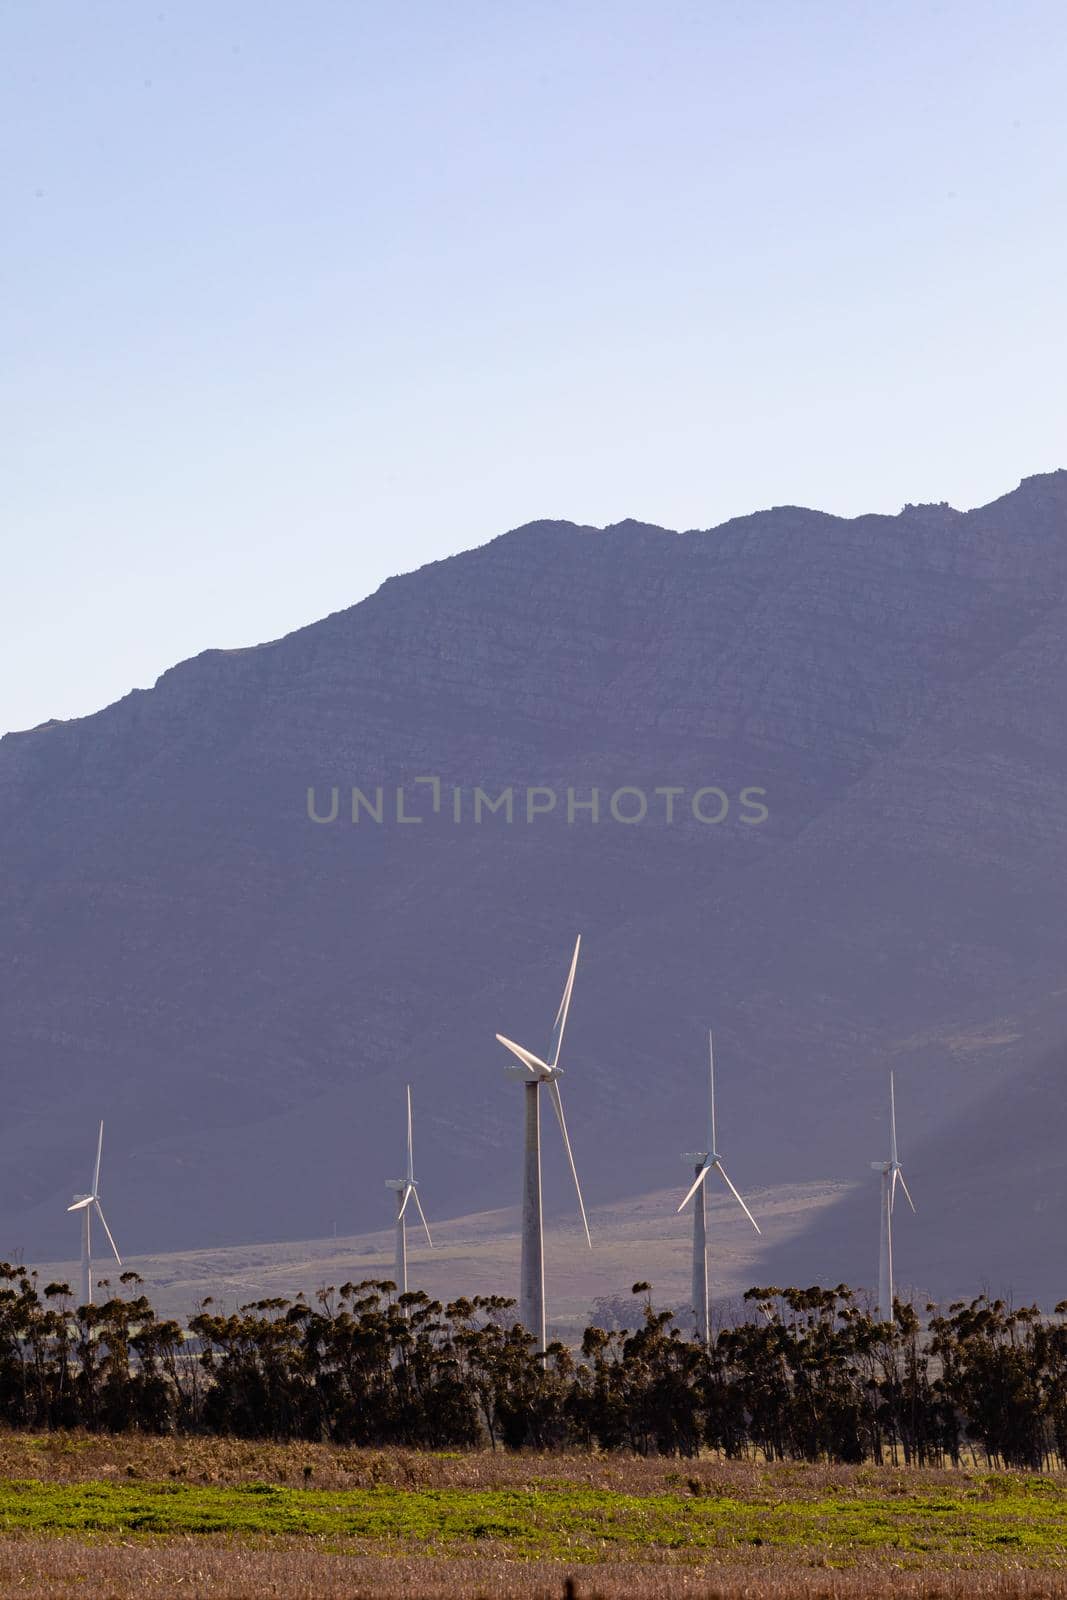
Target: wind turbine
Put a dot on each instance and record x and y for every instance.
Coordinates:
(87, 1204)
(533, 1073)
(892, 1174)
(406, 1189)
(706, 1161)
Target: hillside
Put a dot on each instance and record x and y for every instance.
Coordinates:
(242, 992)
(638, 1238)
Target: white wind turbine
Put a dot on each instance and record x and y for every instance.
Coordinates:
(892, 1174)
(406, 1189)
(87, 1204)
(533, 1073)
(706, 1161)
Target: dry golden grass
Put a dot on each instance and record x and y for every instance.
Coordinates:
(76, 1457)
(37, 1568)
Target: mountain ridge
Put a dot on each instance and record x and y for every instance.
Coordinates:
(240, 992)
(1056, 477)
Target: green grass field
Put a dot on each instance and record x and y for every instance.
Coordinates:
(564, 1520)
(90, 1515)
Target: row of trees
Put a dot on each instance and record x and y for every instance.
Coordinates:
(801, 1374)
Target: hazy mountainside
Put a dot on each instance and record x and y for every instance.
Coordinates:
(241, 991)
(641, 1232)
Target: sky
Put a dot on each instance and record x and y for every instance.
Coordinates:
(296, 297)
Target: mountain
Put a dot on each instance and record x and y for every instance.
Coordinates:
(241, 991)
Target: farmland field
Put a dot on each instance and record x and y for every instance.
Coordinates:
(117, 1516)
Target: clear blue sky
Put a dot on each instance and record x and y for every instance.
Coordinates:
(295, 296)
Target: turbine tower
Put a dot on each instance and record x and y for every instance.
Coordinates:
(892, 1174)
(706, 1161)
(406, 1189)
(533, 1073)
(87, 1204)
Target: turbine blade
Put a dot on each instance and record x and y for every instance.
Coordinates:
(904, 1186)
(712, 1147)
(557, 1106)
(96, 1169)
(80, 1205)
(534, 1064)
(564, 1006)
(892, 1120)
(422, 1214)
(107, 1230)
(694, 1186)
(408, 1192)
(411, 1154)
(737, 1197)
(893, 1176)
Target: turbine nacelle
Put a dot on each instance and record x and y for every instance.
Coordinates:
(532, 1069)
(891, 1173)
(892, 1169)
(710, 1160)
(88, 1203)
(407, 1187)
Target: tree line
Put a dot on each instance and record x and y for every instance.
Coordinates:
(800, 1374)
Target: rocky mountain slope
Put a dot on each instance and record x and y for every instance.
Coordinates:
(241, 991)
